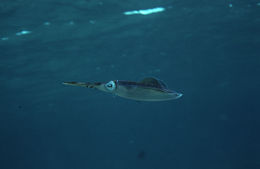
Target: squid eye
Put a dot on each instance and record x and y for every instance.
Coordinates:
(111, 85)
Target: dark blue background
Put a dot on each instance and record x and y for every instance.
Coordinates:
(205, 49)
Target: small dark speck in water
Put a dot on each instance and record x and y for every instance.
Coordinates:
(141, 155)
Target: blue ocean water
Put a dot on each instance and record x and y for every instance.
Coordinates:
(207, 50)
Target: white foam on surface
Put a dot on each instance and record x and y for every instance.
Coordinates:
(46, 23)
(145, 11)
(4, 38)
(23, 32)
